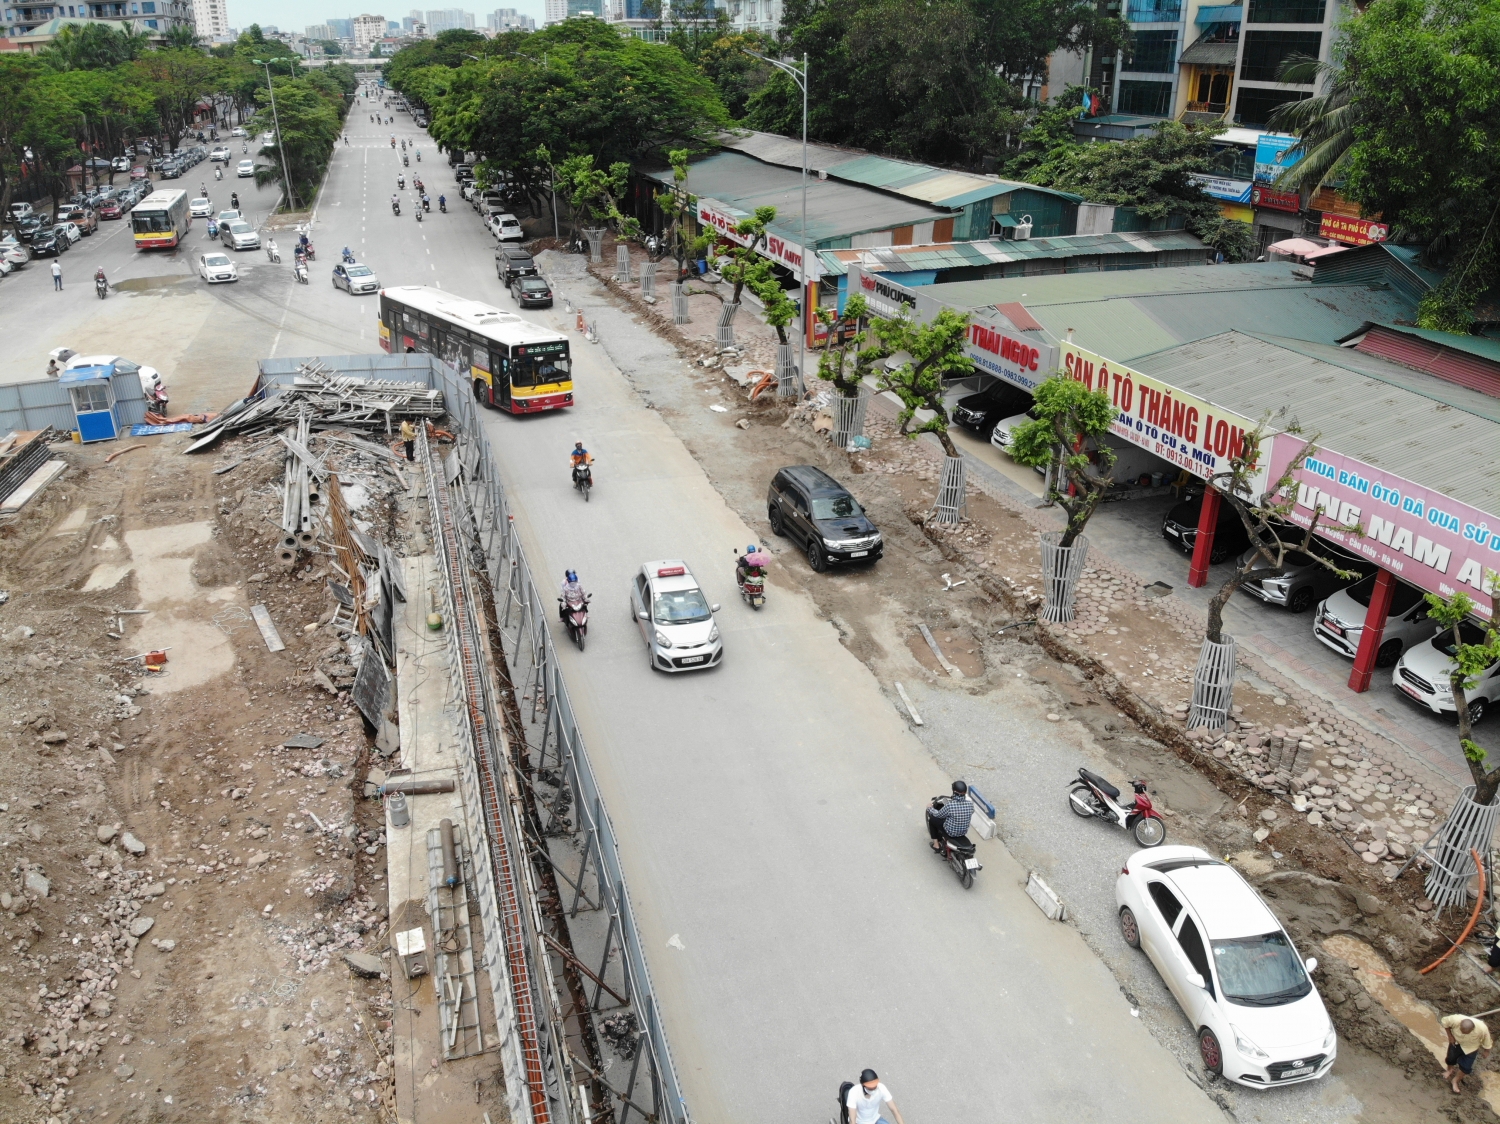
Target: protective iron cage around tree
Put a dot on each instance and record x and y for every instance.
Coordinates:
(849, 417)
(1469, 827)
(1213, 685)
(1062, 566)
(679, 302)
(595, 235)
(622, 263)
(951, 504)
(726, 323)
(788, 378)
(648, 280)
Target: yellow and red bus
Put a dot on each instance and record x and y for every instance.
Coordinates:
(513, 364)
(160, 220)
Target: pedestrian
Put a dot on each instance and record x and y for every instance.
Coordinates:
(57, 275)
(53, 370)
(867, 1100)
(409, 439)
(1467, 1038)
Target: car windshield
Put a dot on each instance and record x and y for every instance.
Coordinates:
(360, 271)
(682, 606)
(228, 216)
(533, 284)
(216, 259)
(1467, 630)
(239, 228)
(539, 370)
(204, 203)
(835, 507)
(1261, 971)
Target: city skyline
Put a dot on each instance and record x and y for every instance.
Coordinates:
(291, 16)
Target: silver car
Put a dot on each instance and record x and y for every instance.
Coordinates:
(239, 235)
(1303, 581)
(675, 619)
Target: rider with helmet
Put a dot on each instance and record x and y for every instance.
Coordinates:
(572, 589)
(743, 567)
(952, 819)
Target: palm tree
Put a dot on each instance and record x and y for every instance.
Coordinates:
(181, 35)
(1324, 123)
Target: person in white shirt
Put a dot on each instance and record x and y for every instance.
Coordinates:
(868, 1100)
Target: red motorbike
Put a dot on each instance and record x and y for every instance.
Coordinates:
(1095, 797)
(751, 578)
(576, 616)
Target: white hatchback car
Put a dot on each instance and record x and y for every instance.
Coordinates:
(1230, 965)
(1422, 675)
(200, 208)
(675, 619)
(507, 228)
(215, 266)
(246, 169)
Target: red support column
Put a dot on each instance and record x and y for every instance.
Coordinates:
(1203, 544)
(1374, 632)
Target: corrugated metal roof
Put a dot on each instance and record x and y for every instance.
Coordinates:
(956, 255)
(1381, 420)
(1482, 346)
(834, 210)
(1209, 53)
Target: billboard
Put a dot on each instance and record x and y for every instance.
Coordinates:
(717, 216)
(1352, 231)
(1274, 200)
(1231, 191)
(1423, 537)
(1274, 155)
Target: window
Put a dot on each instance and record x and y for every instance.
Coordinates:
(1154, 11)
(1154, 52)
(1166, 901)
(1265, 50)
(835, 507)
(1151, 99)
(1192, 944)
(683, 606)
(1253, 107)
(1262, 971)
(540, 369)
(1286, 11)
(86, 398)
(1213, 88)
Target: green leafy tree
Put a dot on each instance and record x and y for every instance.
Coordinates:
(1473, 648)
(310, 120)
(1066, 435)
(679, 206)
(846, 361)
(1324, 124)
(596, 192)
(181, 35)
(330, 48)
(778, 309)
(738, 264)
(933, 356)
(735, 73)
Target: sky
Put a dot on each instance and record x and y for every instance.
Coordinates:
(296, 15)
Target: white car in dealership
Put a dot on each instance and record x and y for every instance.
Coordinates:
(217, 266)
(1230, 965)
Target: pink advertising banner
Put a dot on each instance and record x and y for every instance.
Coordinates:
(1423, 537)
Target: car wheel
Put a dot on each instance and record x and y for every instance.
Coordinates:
(777, 526)
(815, 557)
(1476, 711)
(1301, 601)
(1388, 654)
(1217, 555)
(1211, 1052)
(1130, 929)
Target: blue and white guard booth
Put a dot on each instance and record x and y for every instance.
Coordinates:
(95, 410)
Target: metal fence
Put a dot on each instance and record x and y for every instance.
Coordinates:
(44, 402)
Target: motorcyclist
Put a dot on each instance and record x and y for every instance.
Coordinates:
(218, 173)
(401, 182)
(302, 242)
(395, 203)
(952, 819)
(580, 455)
(426, 202)
(443, 203)
(744, 568)
(348, 254)
(572, 589)
(234, 200)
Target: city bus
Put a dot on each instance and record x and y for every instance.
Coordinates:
(513, 364)
(161, 219)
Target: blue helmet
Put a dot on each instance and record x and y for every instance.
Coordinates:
(571, 575)
(750, 549)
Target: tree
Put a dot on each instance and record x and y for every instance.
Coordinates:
(933, 354)
(309, 112)
(597, 192)
(330, 48)
(181, 35)
(680, 207)
(1324, 124)
(1472, 648)
(1067, 435)
(735, 73)
(737, 262)
(846, 361)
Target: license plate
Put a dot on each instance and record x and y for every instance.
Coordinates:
(971, 864)
(1337, 630)
(692, 659)
(1174, 532)
(1412, 691)
(1303, 1072)
(858, 553)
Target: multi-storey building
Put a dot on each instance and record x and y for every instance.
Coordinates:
(367, 30)
(508, 19)
(449, 19)
(150, 16)
(211, 20)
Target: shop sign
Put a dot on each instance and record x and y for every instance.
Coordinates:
(1274, 200)
(886, 298)
(1423, 537)
(1352, 231)
(1001, 351)
(713, 214)
(1231, 191)
(1177, 426)
(1273, 156)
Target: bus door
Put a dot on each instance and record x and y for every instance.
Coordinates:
(500, 378)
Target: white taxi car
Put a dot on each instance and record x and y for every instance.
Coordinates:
(213, 267)
(675, 619)
(200, 208)
(1230, 965)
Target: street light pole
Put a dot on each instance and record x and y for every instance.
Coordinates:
(286, 176)
(799, 77)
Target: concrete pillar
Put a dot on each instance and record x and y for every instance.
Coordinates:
(1374, 632)
(1203, 545)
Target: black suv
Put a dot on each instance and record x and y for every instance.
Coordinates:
(818, 513)
(981, 411)
(1180, 528)
(512, 262)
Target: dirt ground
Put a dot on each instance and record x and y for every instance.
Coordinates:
(180, 888)
(1323, 810)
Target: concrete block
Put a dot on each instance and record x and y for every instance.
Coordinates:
(981, 824)
(1046, 899)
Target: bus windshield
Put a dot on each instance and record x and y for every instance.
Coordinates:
(539, 370)
(152, 222)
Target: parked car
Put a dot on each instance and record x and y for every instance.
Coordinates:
(531, 292)
(171, 171)
(30, 226)
(982, 410)
(1000, 432)
(138, 172)
(239, 235)
(69, 232)
(245, 169)
(1423, 674)
(675, 618)
(200, 208)
(120, 164)
(816, 512)
(1180, 528)
(1340, 621)
(355, 278)
(512, 262)
(14, 254)
(46, 243)
(85, 218)
(1304, 581)
(507, 228)
(216, 266)
(20, 210)
(1230, 965)
(150, 377)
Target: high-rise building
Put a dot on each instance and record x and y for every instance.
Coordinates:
(392, 25)
(320, 31)
(342, 29)
(449, 19)
(555, 11)
(508, 19)
(367, 30)
(211, 20)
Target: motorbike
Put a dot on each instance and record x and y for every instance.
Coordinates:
(751, 578)
(213, 229)
(218, 173)
(156, 400)
(583, 479)
(401, 182)
(312, 253)
(348, 256)
(101, 286)
(443, 204)
(273, 254)
(958, 852)
(395, 208)
(1091, 796)
(576, 616)
(406, 161)
(300, 270)
(426, 204)
(419, 214)
(419, 156)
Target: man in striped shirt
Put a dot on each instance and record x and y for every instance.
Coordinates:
(952, 819)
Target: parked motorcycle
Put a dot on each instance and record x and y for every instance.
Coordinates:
(1092, 796)
(959, 853)
(583, 479)
(576, 616)
(752, 578)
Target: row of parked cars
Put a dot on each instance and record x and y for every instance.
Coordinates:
(39, 235)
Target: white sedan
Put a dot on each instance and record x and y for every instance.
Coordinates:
(246, 168)
(217, 267)
(675, 619)
(1229, 963)
(200, 208)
